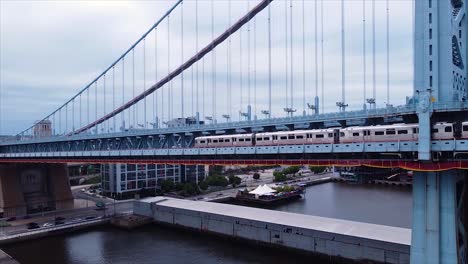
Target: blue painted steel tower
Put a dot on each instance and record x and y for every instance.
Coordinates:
(438, 232)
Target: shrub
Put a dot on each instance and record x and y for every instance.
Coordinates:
(316, 169)
(203, 185)
(291, 170)
(217, 181)
(279, 176)
(167, 185)
(234, 180)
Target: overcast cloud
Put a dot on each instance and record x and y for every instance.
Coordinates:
(50, 50)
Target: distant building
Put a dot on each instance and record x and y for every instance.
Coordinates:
(43, 129)
(184, 121)
(124, 180)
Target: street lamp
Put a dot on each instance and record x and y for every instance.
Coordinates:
(227, 117)
(312, 107)
(289, 111)
(209, 118)
(371, 102)
(266, 113)
(342, 106)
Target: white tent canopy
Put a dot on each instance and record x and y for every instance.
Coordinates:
(263, 190)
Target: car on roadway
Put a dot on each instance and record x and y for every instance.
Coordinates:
(91, 217)
(9, 219)
(33, 225)
(47, 225)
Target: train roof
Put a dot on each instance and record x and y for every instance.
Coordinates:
(226, 136)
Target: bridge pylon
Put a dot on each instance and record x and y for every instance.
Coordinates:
(439, 207)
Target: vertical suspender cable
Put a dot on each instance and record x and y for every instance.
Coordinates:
(292, 57)
(241, 74)
(104, 100)
(81, 109)
(144, 82)
(316, 101)
(203, 86)
(213, 67)
(286, 50)
(133, 87)
(322, 58)
(73, 116)
(196, 50)
(113, 98)
(182, 58)
(364, 70)
(388, 53)
(228, 65)
(303, 61)
(123, 95)
(255, 65)
(248, 58)
(373, 54)
(87, 105)
(269, 61)
(95, 105)
(343, 55)
(155, 94)
(66, 118)
(169, 68)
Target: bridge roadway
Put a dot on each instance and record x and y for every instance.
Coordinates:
(374, 154)
(183, 136)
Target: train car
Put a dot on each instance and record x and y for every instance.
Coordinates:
(396, 132)
(357, 134)
(464, 132)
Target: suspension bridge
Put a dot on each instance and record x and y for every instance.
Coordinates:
(209, 68)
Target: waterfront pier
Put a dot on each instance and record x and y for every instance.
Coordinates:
(324, 236)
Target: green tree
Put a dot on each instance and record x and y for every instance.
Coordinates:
(234, 180)
(167, 185)
(256, 176)
(279, 176)
(291, 170)
(317, 169)
(188, 189)
(203, 185)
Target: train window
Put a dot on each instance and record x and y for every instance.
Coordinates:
(319, 136)
(465, 128)
(341, 134)
(202, 142)
(215, 141)
(299, 137)
(227, 140)
(309, 135)
(259, 139)
(402, 132)
(221, 140)
(356, 134)
(247, 139)
(435, 130)
(415, 130)
(379, 133)
(391, 132)
(241, 140)
(291, 137)
(275, 137)
(330, 134)
(283, 137)
(448, 129)
(266, 138)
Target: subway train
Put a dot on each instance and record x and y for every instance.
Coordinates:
(358, 134)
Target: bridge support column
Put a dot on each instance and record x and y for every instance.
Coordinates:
(29, 188)
(438, 233)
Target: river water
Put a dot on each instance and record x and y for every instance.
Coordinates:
(156, 244)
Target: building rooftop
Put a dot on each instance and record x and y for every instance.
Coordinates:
(356, 229)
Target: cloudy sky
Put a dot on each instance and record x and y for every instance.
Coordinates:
(50, 50)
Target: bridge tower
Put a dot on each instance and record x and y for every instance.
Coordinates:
(439, 214)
